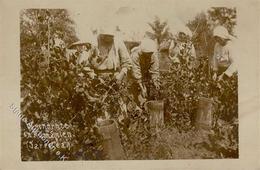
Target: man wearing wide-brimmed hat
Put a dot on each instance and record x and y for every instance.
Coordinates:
(222, 61)
(80, 48)
(84, 47)
(83, 50)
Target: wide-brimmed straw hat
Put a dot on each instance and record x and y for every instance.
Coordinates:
(78, 43)
(221, 32)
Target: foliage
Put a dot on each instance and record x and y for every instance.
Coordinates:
(202, 35)
(36, 25)
(60, 92)
(225, 139)
(169, 143)
(184, 86)
(223, 16)
(136, 138)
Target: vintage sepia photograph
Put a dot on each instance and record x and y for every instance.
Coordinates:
(132, 83)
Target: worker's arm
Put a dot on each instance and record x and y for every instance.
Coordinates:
(214, 62)
(136, 70)
(193, 52)
(125, 60)
(154, 69)
(231, 69)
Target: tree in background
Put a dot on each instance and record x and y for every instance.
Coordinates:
(160, 30)
(223, 16)
(37, 27)
(204, 23)
(201, 34)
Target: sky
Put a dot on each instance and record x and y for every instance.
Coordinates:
(132, 16)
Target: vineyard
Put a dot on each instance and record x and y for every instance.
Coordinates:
(64, 103)
(63, 93)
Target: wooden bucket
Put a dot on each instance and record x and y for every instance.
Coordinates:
(155, 108)
(111, 140)
(204, 115)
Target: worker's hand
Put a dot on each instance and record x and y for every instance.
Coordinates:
(91, 98)
(92, 75)
(119, 77)
(220, 78)
(143, 90)
(215, 76)
(175, 59)
(157, 85)
(101, 81)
